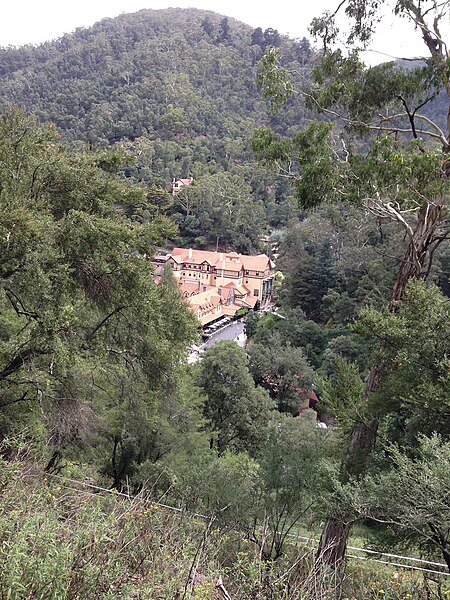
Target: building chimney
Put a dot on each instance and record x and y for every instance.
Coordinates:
(190, 253)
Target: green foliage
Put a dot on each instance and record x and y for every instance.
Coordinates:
(341, 251)
(219, 208)
(282, 369)
(238, 411)
(274, 81)
(151, 438)
(415, 388)
(260, 326)
(266, 500)
(343, 160)
(326, 173)
(318, 167)
(297, 470)
(92, 352)
(270, 147)
(342, 392)
(314, 275)
(411, 499)
(63, 543)
(352, 348)
(222, 486)
(338, 307)
(89, 341)
(174, 88)
(58, 543)
(360, 90)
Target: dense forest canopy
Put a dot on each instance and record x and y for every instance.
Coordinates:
(176, 90)
(177, 78)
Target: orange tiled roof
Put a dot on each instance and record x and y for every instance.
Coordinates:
(230, 310)
(243, 290)
(229, 265)
(230, 261)
(190, 288)
(226, 291)
(256, 263)
(194, 256)
(249, 301)
(206, 299)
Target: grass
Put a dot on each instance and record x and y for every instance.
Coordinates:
(60, 544)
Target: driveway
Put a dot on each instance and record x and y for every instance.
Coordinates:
(228, 333)
(235, 332)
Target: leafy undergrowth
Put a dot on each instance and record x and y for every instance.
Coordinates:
(60, 543)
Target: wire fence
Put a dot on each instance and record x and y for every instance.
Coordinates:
(366, 554)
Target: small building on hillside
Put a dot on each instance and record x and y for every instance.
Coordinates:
(178, 184)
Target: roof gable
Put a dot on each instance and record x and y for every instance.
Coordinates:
(255, 263)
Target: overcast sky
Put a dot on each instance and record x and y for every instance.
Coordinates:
(35, 21)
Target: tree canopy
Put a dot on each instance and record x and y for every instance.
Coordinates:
(374, 146)
(83, 326)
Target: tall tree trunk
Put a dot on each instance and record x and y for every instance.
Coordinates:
(333, 542)
(429, 217)
(446, 554)
(334, 538)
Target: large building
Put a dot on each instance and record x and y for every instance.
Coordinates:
(219, 283)
(253, 274)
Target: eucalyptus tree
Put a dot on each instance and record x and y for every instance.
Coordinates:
(375, 145)
(405, 490)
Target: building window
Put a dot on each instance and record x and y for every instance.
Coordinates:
(246, 281)
(256, 293)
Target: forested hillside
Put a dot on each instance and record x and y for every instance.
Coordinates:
(176, 89)
(178, 84)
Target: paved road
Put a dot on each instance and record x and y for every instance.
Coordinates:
(229, 333)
